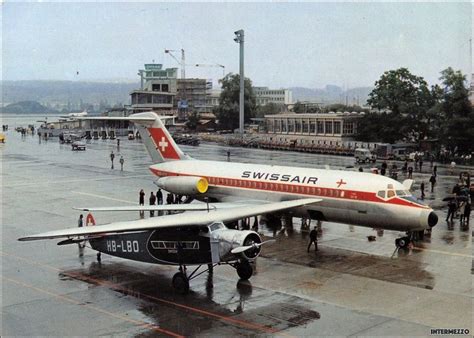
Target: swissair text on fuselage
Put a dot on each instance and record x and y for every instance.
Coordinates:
(280, 177)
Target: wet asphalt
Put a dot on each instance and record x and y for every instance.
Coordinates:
(349, 287)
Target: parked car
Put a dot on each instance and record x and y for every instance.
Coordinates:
(363, 155)
(78, 145)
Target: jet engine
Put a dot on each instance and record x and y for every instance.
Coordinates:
(183, 185)
(232, 239)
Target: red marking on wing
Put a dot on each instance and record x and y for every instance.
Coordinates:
(163, 144)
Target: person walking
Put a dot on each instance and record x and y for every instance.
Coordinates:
(152, 201)
(121, 163)
(421, 164)
(112, 157)
(451, 210)
(159, 197)
(433, 182)
(313, 238)
(422, 188)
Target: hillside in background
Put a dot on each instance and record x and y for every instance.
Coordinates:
(27, 107)
(332, 94)
(67, 95)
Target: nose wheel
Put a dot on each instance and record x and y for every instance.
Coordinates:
(402, 242)
(244, 270)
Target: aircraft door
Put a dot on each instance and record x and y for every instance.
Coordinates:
(215, 250)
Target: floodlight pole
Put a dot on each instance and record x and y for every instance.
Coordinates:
(240, 40)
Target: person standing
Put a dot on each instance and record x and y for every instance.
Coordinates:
(410, 172)
(159, 197)
(141, 200)
(462, 209)
(433, 182)
(421, 163)
(121, 163)
(313, 238)
(80, 221)
(422, 188)
(81, 245)
(435, 170)
(467, 212)
(152, 201)
(112, 157)
(451, 210)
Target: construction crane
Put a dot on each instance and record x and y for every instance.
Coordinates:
(181, 63)
(213, 65)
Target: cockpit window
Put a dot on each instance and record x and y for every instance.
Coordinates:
(381, 194)
(390, 193)
(216, 226)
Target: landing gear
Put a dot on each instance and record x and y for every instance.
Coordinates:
(181, 279)
(181, 283)
(402, 242)
(244, 270)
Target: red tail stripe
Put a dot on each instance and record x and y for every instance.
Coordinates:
(163, 144)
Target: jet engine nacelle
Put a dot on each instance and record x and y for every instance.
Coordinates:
(183, 185)
(230, 239)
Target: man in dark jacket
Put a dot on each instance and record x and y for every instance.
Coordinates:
(313, 238)
(152, 202)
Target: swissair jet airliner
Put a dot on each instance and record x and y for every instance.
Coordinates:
(235, 191)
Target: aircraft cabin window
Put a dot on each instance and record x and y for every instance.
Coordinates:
(390, 193)
(381, 194)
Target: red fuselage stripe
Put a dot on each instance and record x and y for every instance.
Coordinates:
(294, 189)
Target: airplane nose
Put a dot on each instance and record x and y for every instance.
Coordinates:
(432, 219)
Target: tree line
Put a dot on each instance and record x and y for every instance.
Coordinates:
(403, 107)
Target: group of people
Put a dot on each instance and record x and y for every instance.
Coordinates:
(460, 204)
(121, 161)
(157, 199)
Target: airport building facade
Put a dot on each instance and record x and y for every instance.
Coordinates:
(329, 130)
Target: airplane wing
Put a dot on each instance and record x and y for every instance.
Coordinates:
(192, 218)
(170, 207)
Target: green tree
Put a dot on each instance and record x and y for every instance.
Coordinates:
(228, 110)
(408, 99)
(268, 109)
(298, 108)
(456, 121)
(193, 121)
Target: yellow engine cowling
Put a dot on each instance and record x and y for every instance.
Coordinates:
(183, 185)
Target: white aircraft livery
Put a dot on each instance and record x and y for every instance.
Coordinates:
(357, 198)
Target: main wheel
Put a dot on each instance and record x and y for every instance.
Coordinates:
(180, 283)
(244, 270)
(402, 242)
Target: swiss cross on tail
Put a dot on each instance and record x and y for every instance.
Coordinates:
(341, 182)
(163, 144)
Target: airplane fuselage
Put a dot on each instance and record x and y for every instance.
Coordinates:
(363, 199)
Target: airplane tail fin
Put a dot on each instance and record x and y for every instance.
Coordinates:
(158, 141)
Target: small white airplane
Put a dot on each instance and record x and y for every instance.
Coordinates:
(236, 191)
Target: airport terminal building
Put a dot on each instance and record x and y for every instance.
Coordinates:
(327, 130)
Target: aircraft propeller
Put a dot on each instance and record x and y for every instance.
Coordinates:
(241, 249)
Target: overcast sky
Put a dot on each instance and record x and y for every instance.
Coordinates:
(286, 44)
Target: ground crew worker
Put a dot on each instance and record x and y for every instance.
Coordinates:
(159, 197)
(112, 156)
(152, 201)
(121, 163)
(313, 238)
(422, 188)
